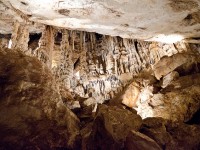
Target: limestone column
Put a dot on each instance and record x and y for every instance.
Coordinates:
(83, 60)
(46, 46)
(14, 34)
(20, 37)
(66, 65)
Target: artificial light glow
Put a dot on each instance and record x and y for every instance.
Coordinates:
(173, 38)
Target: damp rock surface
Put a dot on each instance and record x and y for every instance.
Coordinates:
(32, 114)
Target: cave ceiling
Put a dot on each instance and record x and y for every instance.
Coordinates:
(151, 20)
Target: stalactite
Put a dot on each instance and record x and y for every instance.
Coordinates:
(66, 64)
(90, 62)
(24, 38)
(73, 33)
(104, 62)
(46, 45)
(83, 60)
(20, 37)
(15, 34)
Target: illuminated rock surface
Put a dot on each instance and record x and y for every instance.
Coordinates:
(92, 75)
(165, 20)
(32, 112)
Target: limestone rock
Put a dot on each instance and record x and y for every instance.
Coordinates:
(169, 78)
(4, 42)
(183, 82)
(177, 105)
(131, 95)
(185, 136)
(155, 128)
(85, 134)
(89, 101)
(111, 126)
(170, 135)
(180, 19)
(178, 101)
(168, 64)
(32, 114)
(138, 141)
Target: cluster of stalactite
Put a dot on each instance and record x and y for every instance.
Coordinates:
(100, 66)
(91, 64)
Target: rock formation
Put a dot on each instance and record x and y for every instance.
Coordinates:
(81, 71)
(63, 85)
(33, 116)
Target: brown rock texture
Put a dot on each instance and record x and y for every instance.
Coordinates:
(122, 80)
(131, 96)
(175, 93)
(168, 64)
(138, 141)
(178, 101)
(32, 114)
(170, 135)
(110, 127)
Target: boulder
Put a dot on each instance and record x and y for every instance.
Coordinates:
(169, 64)
(111, 126)
(185, 136)
(183, 82)
(32, 114)
(171, 135)
(155, 129)
(137, 141)
(178, 101)
(169, 78)
(130, 96)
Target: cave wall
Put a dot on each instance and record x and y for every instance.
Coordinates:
(104, 65)
(90, 64)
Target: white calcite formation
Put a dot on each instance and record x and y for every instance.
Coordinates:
(165, 21)
(46, 44)
(100, 67)
(20, 37)
(94, 65)
(102, 60)
(104, 65)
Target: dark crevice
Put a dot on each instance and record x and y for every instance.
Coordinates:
(195, 119)
(76, 63)
(34, 40)
(98, 36)
(6, 36)
(24, 3)
(58, 38)
(135, 44)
